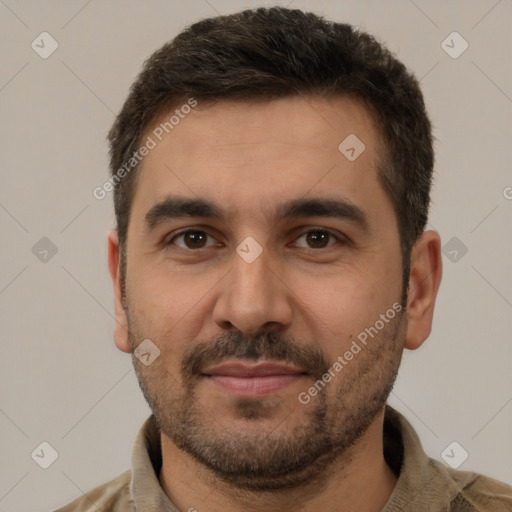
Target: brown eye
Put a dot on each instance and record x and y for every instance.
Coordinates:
(192, 239)
(317, 239)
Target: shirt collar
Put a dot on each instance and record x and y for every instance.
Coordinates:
(424, 484)
(145, 489)
(421, 481)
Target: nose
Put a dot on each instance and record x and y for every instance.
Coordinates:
(254, 297)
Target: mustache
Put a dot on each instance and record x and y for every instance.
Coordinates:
(269, 345)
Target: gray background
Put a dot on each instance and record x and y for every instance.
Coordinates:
(62, 379)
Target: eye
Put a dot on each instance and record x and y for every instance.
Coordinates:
(192, 238)
(319, 239)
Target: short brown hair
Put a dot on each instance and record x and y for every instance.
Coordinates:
(269, 53)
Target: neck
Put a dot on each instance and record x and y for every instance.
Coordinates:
(360, 481)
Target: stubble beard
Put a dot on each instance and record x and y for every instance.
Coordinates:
(287, 456)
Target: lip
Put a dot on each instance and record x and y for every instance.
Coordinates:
(257, 380)
(263, 368)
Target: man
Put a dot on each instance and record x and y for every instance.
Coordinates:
(272, 174)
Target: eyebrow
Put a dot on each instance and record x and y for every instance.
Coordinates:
(179, 207)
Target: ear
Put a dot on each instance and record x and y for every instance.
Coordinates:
(424, 280)
(121, 337)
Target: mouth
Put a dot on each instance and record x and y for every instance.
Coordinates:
(257, 380)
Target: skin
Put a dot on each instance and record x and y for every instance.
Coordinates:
(305, 295)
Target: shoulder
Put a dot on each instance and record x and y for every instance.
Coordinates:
(113, 496)
(427, 484)
(480, 493)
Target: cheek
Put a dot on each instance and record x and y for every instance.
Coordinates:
(162, 293)
(343, 304)
(170, 307)
(336, 307)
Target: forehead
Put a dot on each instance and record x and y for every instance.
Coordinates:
(299, 120)
(235, 151)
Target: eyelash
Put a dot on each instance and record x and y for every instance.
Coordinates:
(338, 239)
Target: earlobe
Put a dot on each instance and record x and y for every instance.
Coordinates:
(424, 280)
(121, 333)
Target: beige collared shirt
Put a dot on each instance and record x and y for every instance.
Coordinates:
(424, 485)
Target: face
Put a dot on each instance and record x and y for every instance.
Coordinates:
(274, 298)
